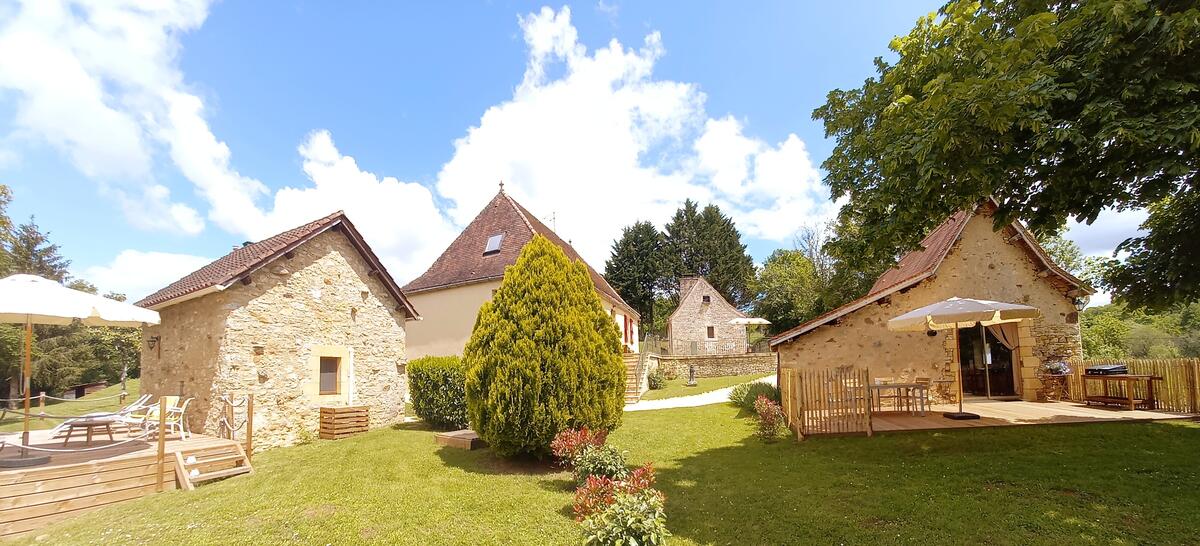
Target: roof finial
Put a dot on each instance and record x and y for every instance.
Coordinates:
(501, 186)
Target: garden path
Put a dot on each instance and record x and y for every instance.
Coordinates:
(703, 399)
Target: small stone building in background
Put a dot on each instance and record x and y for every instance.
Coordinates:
(963, 257)
(704, 323)
(304, 319)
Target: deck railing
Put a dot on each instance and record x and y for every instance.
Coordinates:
(1179, 390)
(826, 401)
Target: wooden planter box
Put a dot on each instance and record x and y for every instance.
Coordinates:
(342, 421)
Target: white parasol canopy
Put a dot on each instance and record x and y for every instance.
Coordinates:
(32, 299)
(956, 313)
(29, 300)
(961, 312)
(749, 321)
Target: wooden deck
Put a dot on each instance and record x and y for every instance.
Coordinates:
(995, 413)
(73, 483)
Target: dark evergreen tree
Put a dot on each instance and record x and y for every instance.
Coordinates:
(706, 243)
(32, 252)
(636, 267)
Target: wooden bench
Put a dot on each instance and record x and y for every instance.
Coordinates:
(1129, 399)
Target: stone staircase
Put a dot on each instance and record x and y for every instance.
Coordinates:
(634, 378)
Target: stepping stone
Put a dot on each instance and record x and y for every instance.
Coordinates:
(460, 439)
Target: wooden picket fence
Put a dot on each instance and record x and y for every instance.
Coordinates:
(826, 401)
(1179, 390)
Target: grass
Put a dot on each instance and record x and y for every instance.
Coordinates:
(1118, 483)
(678, 386)
(95, 402)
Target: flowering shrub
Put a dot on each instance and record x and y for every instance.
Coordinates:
(1055, 367)
(600, 461)
(770, 418)
(632, 518)
(598, 492)
(568, 443)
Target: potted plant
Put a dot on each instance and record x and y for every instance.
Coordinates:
(1053, 375)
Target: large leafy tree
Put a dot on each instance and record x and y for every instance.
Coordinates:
(544, 355)
(1056, 109)
(635, 268)
(705, 242)
(788, 289)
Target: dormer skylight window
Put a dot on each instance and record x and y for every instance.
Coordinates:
(493, 244)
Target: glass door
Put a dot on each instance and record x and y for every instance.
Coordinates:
(986, 364)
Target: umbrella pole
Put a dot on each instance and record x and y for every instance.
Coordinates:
(28, 372)
(958, 370)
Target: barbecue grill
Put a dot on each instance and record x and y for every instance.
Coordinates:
(1108, 369)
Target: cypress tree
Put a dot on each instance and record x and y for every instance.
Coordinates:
(543, 356)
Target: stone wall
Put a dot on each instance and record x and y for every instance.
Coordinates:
(983, 264)
(687, 327)
(719, 365)
(267, 337)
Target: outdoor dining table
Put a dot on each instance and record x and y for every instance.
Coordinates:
(904, 391)
(90, 425)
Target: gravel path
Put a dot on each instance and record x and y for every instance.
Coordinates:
(703, 399)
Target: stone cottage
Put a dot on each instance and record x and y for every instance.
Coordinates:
(304, 319)
(458, 283)
(962, 257)
(704, 322)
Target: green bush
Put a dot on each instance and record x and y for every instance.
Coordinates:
(633, 518)
(744, 395)
(656, 380)
(603, 461)
(544, 356)
(437, 387)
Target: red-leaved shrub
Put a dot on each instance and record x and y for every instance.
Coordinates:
(568, 443)
(770, 418)
(598, 492)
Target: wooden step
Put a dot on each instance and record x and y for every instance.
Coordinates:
(219, 474)
(213, 460)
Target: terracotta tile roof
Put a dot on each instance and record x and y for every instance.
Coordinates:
(248, 258)
(464, 262)
(922, 263)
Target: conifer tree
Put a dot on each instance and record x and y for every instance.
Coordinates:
(544, 356)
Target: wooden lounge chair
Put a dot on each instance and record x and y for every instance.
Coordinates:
(136, 406)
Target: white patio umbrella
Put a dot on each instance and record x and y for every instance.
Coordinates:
(956, 313)
(30, 299)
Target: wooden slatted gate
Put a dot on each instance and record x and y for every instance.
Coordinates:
(826, 401)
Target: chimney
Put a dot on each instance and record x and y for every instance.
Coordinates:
(686, 283)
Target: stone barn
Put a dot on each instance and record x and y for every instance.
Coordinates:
(967, 258)
(304, 319)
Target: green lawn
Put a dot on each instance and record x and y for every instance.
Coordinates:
(11, 422)
(1133, 483)
(678, 386)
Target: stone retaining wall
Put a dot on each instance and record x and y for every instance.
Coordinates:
(719, 365)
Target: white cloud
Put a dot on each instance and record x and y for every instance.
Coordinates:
(606, 144)
(99, 80)
(588, 137)
(398, 219)
(138, 274)
(1109, 230)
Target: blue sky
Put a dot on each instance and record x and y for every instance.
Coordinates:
(148, 141)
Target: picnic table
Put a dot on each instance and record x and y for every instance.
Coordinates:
(914, 396)
(1129, 398)
(90, 425)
